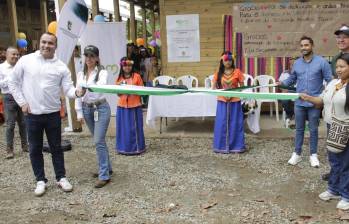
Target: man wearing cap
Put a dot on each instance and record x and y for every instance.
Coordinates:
(342, 39)
(36, 84)
(13, 112)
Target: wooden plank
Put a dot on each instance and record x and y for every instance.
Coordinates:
(13, 21)
(43, 15)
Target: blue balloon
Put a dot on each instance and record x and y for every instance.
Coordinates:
(22, 43)
(99, 18)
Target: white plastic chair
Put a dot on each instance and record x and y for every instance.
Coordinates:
(266, 80)
(164, 80)
(248, 80)
(188, 81)
(208, 81)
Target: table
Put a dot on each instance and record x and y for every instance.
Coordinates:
(183, 105)
(190, 105)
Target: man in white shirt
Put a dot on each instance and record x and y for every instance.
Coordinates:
(13, 111)
(36, 85)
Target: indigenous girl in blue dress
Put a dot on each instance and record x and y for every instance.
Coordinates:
(129, 122)
(229, 124)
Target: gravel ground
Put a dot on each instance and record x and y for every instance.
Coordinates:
(178, 180)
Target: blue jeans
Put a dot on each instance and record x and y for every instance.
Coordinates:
(312, 115)
(338, 181)
(51, 124)
(13, 114)
(98, 130)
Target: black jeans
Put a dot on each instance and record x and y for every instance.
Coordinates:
(13, 114)
(288, 106)
(51, 124)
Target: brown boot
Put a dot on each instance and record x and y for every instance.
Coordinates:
(101, 183)
(25, 148)
(9, 154)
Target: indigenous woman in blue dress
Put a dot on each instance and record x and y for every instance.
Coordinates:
(129, 122)
(229, 124)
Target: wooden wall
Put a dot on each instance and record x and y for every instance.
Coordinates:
(211, 34)
(28, 22)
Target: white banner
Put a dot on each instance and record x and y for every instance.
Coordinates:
(110, 38)
(183, 38)
(71, 24)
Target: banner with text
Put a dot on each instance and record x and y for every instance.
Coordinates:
(110, 38)
(274, 29)
(183, 38)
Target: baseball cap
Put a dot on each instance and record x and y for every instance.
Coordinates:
(344, 29)
(90, 49)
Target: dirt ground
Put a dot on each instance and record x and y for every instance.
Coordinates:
(178, 180)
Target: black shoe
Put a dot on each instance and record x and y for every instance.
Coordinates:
(95, 175)
(325, 176)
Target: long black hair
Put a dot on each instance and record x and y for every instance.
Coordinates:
(345, 57)
(221, 68)
(122, 72)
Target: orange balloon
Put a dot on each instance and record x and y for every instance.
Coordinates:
(52, 27)
(140, 42)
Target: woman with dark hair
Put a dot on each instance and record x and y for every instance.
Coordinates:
(94, 109)
(229, 124)
(129, 122)
(335, 100)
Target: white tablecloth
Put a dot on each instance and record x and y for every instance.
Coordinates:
(190, 105)
(183, 105)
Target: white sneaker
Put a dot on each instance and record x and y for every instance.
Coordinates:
(65, 185)
(326, 196)
(40, 188)
(294, 159)
(343, 205)
(314, 161)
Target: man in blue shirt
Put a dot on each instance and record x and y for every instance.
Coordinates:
(309, 73)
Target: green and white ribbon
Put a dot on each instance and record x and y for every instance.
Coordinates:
(141, 90)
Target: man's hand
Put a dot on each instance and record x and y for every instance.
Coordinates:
(278, 83)
(26, 109)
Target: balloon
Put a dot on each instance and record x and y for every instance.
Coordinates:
(52, 27)
(158, 42)
(140, 42)
(21, 35)
(152, 43)
(22, 43)
(99, 19)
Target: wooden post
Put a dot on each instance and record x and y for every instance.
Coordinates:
(43, 15)
(144, 23)
(117, 17)
(95, 8)
(75, 123)
(152, 23)
(128, 29)
(13, 21)
(163, 36)
(132, 22)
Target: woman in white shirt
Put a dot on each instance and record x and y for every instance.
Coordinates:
(335, 99)
(94, 109)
